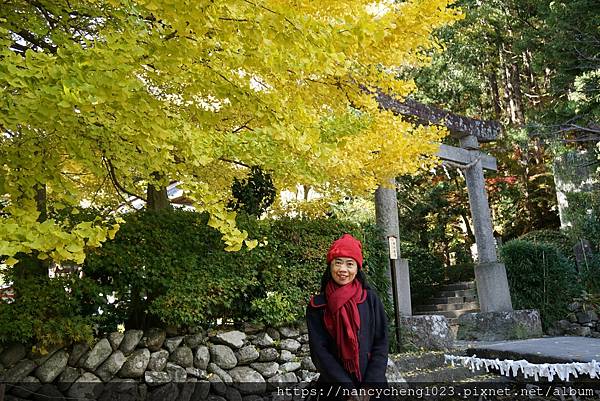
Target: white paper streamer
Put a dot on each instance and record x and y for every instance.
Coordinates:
(508, 367)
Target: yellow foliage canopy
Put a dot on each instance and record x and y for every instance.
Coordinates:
(126, 91)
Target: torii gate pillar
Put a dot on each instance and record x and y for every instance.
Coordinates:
(386, 210)
(490, 275)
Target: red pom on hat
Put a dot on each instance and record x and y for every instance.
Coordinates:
(346, 247)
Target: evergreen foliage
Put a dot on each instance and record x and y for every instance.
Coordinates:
(554, 238)
(426, 272)
(254, 194)
(499, 63)
(435, 229)
(540, 277)
(50, 311)
(168, 268)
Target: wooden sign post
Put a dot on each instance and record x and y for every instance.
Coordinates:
(393, 253)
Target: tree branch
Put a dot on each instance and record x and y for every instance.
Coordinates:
(115, 182)
(584, 139)
(19, 48)
(171, 35)
(28, 36)
(40, 7)
(274, 12)
(241, 127)
(587, 129)
(99, 188)
(234, 162)
(234, 19)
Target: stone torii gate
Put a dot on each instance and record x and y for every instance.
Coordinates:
(490, 274)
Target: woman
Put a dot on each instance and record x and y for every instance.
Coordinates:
(347, 327)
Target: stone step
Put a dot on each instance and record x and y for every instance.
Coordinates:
(458, 293)
(452, 300)
(449, 313)
(465, 285)
(447, 307)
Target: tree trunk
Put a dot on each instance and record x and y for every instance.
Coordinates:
(157, 198)
(493, 81)
(527, 207)
(512, 86)
(29, 265)
(517, 94)
(41, 202)
(507, 95)
(532, 87)
(306, 189)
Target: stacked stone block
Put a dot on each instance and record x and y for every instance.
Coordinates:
(581, 321)
(226, 365)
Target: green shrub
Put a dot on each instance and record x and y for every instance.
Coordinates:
(426, 271)
(169, 268)
(589, 275)
(584, 215)
(540, 277)
(294, 257)
(275, 307)
(48, 312)
(555, 238)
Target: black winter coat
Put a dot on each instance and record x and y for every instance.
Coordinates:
(372, 341)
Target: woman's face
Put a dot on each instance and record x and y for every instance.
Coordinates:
(343, 270)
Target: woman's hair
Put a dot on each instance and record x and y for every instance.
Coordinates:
(360, 276)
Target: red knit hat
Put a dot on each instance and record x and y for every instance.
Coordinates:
(346, 247)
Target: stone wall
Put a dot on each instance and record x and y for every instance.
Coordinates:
(579, 322)
(134, 365)
(500, 325)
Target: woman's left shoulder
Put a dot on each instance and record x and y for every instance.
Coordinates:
(371, 293)
(372, 296)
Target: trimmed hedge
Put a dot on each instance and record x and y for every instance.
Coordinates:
(589, 275)
(49, 312)
(169, 268)
(540, 277)
(552, 237)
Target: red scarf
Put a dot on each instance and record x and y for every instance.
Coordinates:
(342, 321)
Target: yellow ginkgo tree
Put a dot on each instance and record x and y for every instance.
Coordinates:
(101, 99)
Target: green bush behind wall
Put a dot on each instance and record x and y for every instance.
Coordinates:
(540, 277)
(169, 268)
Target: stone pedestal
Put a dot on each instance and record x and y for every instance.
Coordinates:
(496, 326)
(431, 332)
(492, 287)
